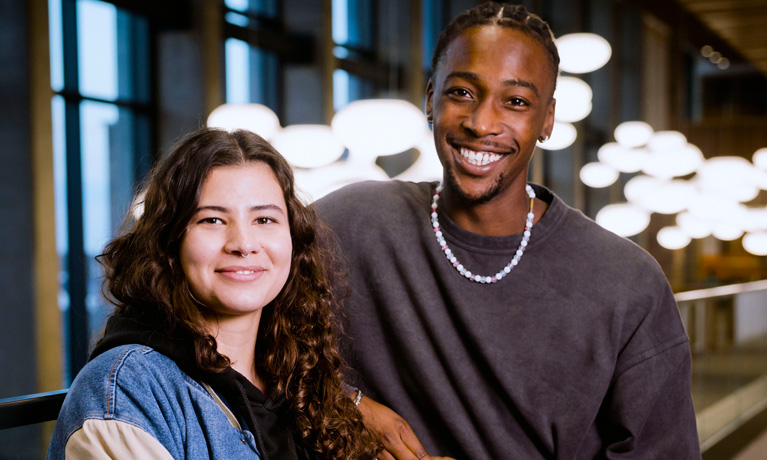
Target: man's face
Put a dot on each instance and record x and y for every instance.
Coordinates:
(489, 99)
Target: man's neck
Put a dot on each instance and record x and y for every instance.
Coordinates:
(501, 216)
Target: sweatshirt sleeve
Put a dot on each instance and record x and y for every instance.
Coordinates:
(113, 439)
(648, 410)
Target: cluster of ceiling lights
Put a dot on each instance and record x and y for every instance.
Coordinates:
(578, 53)
(715, 57)
(710, 202)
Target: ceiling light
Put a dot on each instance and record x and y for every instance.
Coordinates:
(573, 97)
(308, 146)
(756, 243)
(623, 219)
(598, 175)
(633, 133)
(562, 136)
(672, 238)
(622, 158)
(254, 117)
(365, 127)
(582, 52)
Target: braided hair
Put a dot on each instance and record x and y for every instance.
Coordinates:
(504, 15)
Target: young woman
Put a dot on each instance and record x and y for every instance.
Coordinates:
(222, 341)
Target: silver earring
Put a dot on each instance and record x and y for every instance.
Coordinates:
(543, 139)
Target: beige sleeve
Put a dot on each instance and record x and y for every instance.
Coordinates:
(112, 439)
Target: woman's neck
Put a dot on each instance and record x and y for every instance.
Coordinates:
(236, 339)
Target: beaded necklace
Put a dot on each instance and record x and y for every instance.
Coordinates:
(458, 266)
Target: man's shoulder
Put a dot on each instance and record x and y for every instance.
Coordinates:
(372, 200)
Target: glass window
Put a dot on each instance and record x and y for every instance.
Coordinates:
(100, 73)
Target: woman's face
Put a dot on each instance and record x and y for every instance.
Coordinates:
(236, 251)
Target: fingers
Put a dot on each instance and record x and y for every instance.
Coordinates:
(402, 443)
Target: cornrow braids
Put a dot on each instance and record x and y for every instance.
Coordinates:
(504, 15)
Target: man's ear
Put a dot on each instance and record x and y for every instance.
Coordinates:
(429, 100)
(548, 123)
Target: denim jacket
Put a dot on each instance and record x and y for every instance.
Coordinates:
(132, 401)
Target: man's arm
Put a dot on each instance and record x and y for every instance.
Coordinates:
(648, 412)
(391, 430)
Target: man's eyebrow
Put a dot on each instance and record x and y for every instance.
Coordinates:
(260, 207)
(475, 77)
(523, 83)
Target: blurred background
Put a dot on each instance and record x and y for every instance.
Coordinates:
(663, 139)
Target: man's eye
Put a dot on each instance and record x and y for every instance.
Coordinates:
(460, 92)
(518, 101)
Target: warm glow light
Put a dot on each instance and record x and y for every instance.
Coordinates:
(622, 158)
(693, 226)
(715, 207)
(672, 238)
(734, 177)
(573, 97)
(755, 220)
(254, 117)
(659, 195)
(755, 243)
(373, 127)
(673, 162)
(760, 159)
(666, 140)
(598, 175)
(623, 219)
(318, 182)
(308, 146)
(727, 231)
(633, 133)
(582, 52)
(427, 167)
(563, 136)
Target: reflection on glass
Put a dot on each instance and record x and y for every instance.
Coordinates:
(55, 43)
(97, 49)
(237, 72)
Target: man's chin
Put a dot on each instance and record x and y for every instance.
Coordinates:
(474, 197)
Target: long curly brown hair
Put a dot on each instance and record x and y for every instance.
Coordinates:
(296, 349)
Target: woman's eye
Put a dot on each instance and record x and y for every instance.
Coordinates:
(264, 220)
(211, 220)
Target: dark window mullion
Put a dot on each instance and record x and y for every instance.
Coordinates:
(76, 264)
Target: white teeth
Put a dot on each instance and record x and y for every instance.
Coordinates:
(244, 272)
(479, 158)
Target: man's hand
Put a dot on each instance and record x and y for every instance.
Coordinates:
(391, 430)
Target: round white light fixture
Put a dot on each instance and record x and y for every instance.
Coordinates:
(623, 219)
(734, 177)
(582, 52)
(693, 226)
(427, 167)
(374, 127)
(573, 97)
(633, 133)
(760, 159)
(562, 136)
(755, 243)
(673, 162)
(672, 238)
(254, 117)
(727, 231)
(598, 175)
(622, 158)
(308, 146)
(666, 140)
(715, 207)
(660, 195)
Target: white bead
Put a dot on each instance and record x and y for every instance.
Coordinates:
(452, 259)
(514, 262)
(434, 215)
(435, 224)
(467, 274)
(439, 233)
(527, 233)
(507, 269)
(530, 215)
(520, 252)
(523, 243)
(460, 268)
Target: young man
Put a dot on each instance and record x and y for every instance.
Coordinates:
(495, 319)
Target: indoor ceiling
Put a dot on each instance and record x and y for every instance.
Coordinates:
(741, 23)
